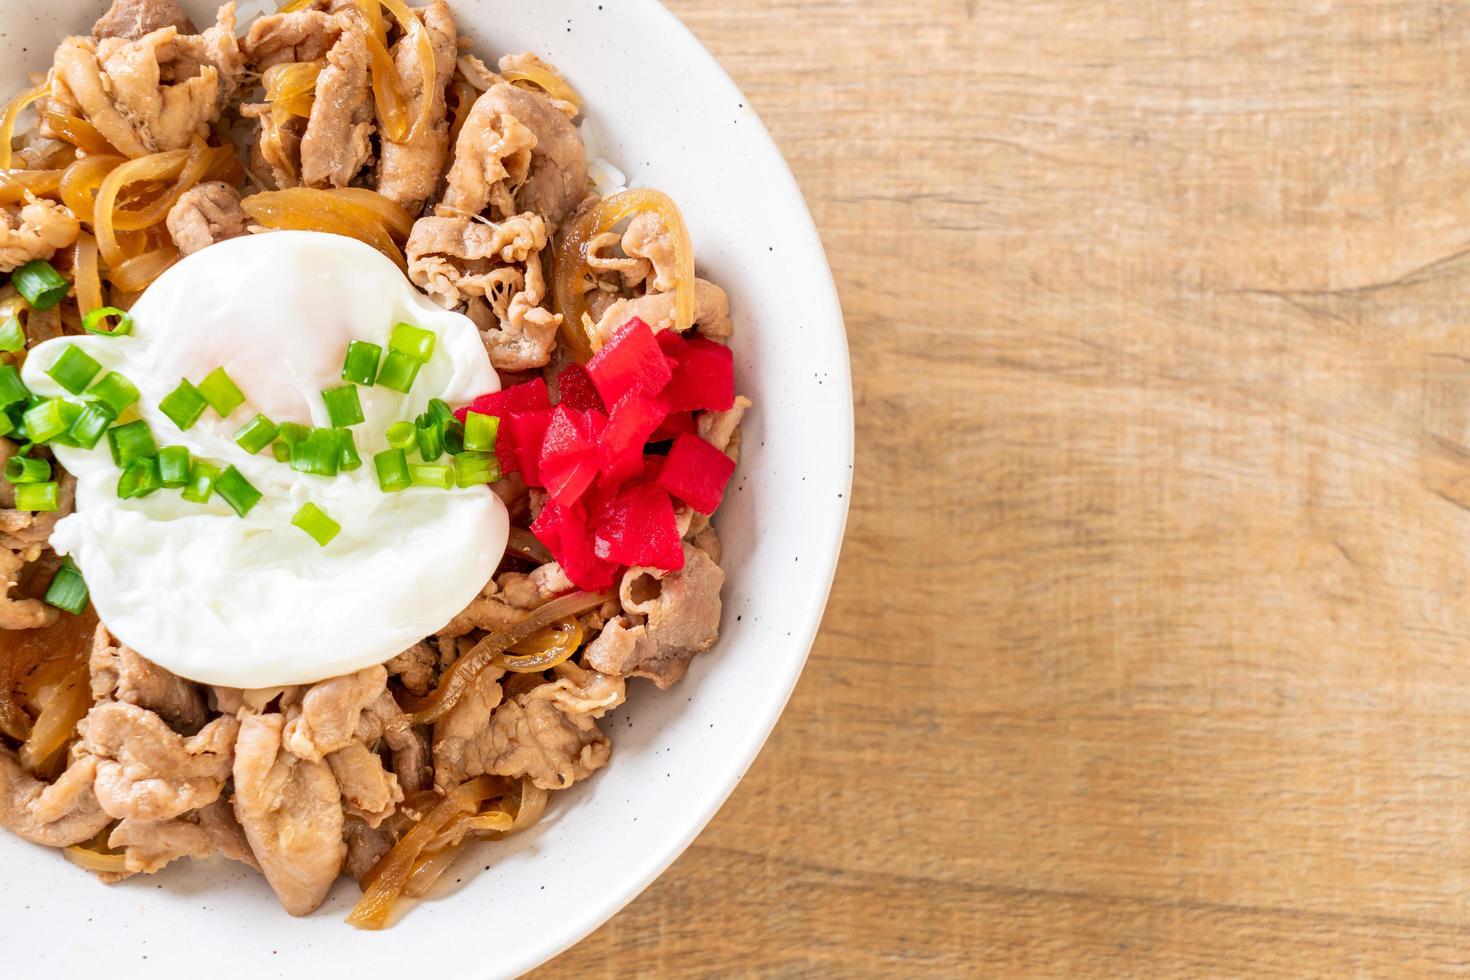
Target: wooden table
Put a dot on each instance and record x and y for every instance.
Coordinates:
(1149, 654)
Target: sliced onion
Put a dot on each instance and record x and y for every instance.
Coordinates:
(571, 270)
(62, 706)
(459, 678)
(137, 274)
(12, 115)
(195, 167)
(85, 274)
(82, 179)
(96, 861)
(548, 81)
(16, 184)
(290, 88)
(544, 649)
(398, 221)
(428, 73)
(309, 209)
(78, 132)
(155, 166)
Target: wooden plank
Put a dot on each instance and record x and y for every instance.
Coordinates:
(1148, 652)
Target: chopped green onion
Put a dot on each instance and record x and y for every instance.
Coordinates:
(184, 405)
(236, 491)
(12, 335)
(173, 466)
(13, 391)
(319, 453)
(45, 420)
(74, 369)
(343, 407)
(294, 433)
(140, 478)
(401, 435)
(17, 416)
(454, 437)
(315, 522)
(70, 413)
(41, 285)
(67, 590)
(392, 467)
(399, 371)
(131, 441)
(201, 481)
(223, 395)
(38, 496)
(27, 469)
(93, 322)
(473, 468)
(349, 459)
(7, 424)
(429, 434)
(281, 450)
(256, 434)
(361, 365)
(439, 410)
(114, 391)
(480, 432)
(87, 430)
(416, 342)
(438, 475)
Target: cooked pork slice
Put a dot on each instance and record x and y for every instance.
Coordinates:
(217, 47)
(150, 845)
(365, 847)
(409, 171)
(415, 668)
(331, 711)
(15, 613)
(34, 231)
(291, 811)
(672, 616)
(302, 35)
(722, 429)
(277, 148)
(547, 733)
(369, 791)
(206, 214)
(384, 721)
(492, 158)
(487, 611)
(529, 590)
(335, 145)
(557, 181)
(118, 85)
(461, 738)
(63, 813)
(147, 770)
(711, 312)
(121, 673)
(648, 240)
(459, 259)
(131, 19)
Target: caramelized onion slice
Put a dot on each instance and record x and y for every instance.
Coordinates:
(12, 116)
(458, 679)
(16, 184)
(290, 88)
(527, 545)
(309, 209)
(571, 273)
(78, 132)
(548, 81)
(155, 166)
(62, 706)
(543, 650)
(414, 28)
(80, 182)
(398, 221)
(96, 860)
(85, 274)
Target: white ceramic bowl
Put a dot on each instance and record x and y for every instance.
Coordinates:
(667, 114)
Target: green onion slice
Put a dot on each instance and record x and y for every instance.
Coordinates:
(95, 322)
(41, 285)
(343, 406)
(399, 371)
(114, 391)
(429, 435)
(27, 469)
(140, 478)
(201, 481)
(173, 466)
(401, 435)
(416, 342)
(480, 432)
(90, 425)
(361, 365)
(38, 496)
(348, 458)
(131, 441)
(184, 405)
(67, 591)
(12, 335)
(13, 390)
(319, 453)
(256, 434)
(392, 467)
(315, 522)
(236, 491)
(74, 369)
(45, 420)
(223, 395)
(438, 475)
(473, 468)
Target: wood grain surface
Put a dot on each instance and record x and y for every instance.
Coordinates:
(1149, 653)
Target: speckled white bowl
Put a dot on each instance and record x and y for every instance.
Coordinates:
(665, 112)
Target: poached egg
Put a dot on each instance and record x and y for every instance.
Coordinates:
(255, 602)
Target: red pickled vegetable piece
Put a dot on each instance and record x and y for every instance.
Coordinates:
(674, 424)
(569, 453)
(566, 535)
(704, 379)
(631, 361)
(671, 342)
(696, 472)
(637, 527)
(518, 445)
(518, 398)
(577, 390)
(620, 450)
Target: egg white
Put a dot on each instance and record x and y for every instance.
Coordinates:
(256, 602)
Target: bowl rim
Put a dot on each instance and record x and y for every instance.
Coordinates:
(735, 764)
